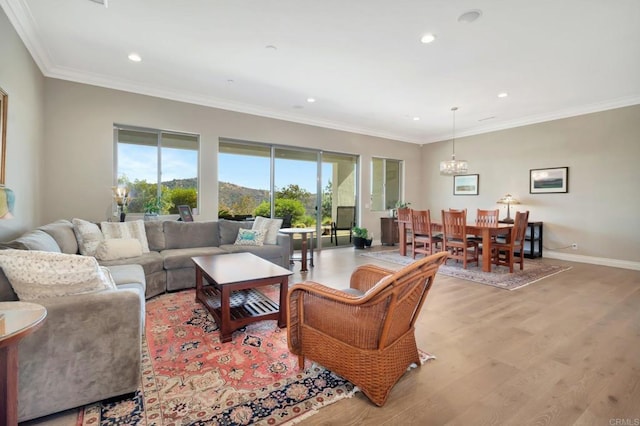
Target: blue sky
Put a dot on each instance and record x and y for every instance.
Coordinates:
(139, 162)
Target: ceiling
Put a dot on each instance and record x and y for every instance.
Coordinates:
(362, 60)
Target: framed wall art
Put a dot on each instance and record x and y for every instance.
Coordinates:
(547, 181)
(185, 213)
(465, 184)
(4, 104)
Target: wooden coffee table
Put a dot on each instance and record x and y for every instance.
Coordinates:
(231, 294)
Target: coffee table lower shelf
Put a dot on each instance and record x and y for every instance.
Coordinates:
(245, 307)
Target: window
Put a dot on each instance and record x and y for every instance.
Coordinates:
(386, 183)
(145, 157)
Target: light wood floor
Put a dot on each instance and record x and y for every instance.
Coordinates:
(562, 351)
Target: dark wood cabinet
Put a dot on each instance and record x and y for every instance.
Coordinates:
(389, 231)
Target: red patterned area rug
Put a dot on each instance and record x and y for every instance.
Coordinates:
(190, 378)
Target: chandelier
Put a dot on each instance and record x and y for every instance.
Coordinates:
(453, 166)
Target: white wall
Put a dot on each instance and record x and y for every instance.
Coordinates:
(601, 211)
(79, 146)
(24, 83)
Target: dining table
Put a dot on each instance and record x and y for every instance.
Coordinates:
(487, 231)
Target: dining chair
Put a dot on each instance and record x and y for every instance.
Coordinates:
(512, 250)
(424, 241)
(486, 217)
(404, 215)
(454, 237)
(345, 221)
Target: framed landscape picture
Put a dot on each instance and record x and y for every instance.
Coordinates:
(465, 184)
(185, 213)
(545, 181)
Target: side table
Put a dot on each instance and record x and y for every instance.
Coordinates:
(304, 232)
(17, 320)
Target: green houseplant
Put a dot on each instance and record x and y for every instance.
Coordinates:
(360, 236)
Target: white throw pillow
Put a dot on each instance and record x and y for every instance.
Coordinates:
(118, 248)
(271, 227)
(133, 229)
(249, 237)
(88, 235)
(37, 274)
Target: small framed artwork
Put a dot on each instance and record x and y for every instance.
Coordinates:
(546, 181)
(185, 213)
(4, 105)
(465, 184)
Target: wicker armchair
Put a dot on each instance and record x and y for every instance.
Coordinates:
(366, 333)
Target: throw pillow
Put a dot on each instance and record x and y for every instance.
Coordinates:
(88, 235)
(118, 248)
(133, 229)
(37, 274)
(270, 227)
(249, 237)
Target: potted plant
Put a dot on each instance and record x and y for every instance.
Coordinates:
(360, 236)
(151, 209)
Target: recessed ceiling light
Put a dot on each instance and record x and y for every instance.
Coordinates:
(470, 16)
(271, 47)
(311, 100)
(503, 95)
(416, 118)
(134, 57)
(428, 38)
(230, 80)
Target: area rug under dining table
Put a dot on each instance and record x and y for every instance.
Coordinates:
(190, 378)
(534, 270)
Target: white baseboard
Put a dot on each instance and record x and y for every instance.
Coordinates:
(615, 263)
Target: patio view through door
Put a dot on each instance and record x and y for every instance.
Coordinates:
(306, 185)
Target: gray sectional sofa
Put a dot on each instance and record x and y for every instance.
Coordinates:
(89, 346)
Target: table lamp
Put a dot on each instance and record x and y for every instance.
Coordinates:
(508, 200)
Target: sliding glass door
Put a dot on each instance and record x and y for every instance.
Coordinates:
(301, 185)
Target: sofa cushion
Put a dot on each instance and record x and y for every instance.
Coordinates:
(155, 234)
(118, 248)
(250, 237)
(191, 234)
(151, 262)
(62, 232)
(38, 274)
(181, 258)
(267, 251)
(133, 229)
(37, 240)
(270, 227)
(88, 236)
(229, 230)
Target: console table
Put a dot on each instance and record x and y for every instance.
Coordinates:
(389, 234)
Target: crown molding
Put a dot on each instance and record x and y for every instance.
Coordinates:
(550, 116)
(22, 20)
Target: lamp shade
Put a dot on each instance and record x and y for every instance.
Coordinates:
(508, 199)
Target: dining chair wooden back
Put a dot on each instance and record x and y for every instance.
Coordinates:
(404, 216)
(424, 241)
(512, 250)
(454, 237)
(487, 217)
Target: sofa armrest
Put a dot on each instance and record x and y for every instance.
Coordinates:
(284, 240)
(92, 340)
